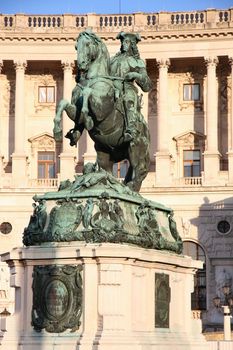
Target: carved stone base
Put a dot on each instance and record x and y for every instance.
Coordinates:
(131, 298)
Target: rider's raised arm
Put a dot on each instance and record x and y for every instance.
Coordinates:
(142, 78)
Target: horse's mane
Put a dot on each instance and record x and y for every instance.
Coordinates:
(103, 51)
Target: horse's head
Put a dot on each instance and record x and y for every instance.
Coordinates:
(89, 48)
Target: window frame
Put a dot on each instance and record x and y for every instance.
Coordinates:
(191, 161)
(191, 92)
(46, 87)
(46, 163)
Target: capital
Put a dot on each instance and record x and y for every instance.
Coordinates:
(211, 61)
(163, 63)
(67, 65)
(20, 65)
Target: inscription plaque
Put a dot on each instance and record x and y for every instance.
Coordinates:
(162, 300)
(57, 298)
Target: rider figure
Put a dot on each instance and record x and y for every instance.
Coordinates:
(127, 64)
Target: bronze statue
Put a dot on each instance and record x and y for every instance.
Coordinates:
(127, 65)
(106, 103)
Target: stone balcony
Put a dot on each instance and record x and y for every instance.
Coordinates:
(210, 18)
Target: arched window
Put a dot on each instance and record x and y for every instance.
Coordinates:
(198, 297)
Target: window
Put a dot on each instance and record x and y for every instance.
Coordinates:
(192, 163)
(191, 92)
(46, 94)
(46, 165)
(198, 297)
(120, 169)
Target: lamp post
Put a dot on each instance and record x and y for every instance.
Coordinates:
(226, 306)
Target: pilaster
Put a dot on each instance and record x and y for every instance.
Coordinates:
(163, 176)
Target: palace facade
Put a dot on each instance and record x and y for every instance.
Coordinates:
(189, 58)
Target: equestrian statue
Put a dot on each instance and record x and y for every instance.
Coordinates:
(106, 102)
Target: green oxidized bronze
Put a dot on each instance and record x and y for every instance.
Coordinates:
(96, 207)
(105, 101)
(57, 298)
(162, 300)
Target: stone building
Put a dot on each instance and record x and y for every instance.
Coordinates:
(189, 57)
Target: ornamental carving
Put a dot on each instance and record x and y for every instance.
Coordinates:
(97, 208)
(163, 63)
(44, 142)
(162, 300)
(153, 99)
(211, 61)
(43, 80)
(190, 140)
(225, 92)
(190, 78)
(57, 298)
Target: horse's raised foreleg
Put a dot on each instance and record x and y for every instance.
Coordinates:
(85, 118)
(70, 109)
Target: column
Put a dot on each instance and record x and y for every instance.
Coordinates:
(1, 137)
(19, 158)
(67, 157)
(211, 155)
(162, 156)
(230, 131)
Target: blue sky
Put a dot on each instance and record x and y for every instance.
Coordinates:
(107, 6)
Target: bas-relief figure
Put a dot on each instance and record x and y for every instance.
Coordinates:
(105, 101)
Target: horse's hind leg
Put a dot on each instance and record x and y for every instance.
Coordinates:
(104, 162)
(139, 162)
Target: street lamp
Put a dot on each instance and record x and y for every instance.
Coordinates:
(226, 306)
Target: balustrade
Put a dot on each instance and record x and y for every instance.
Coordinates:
(8, 21)
(43, 182)
(80, 21)
(116, 21)
(45, 21)
(187, 18)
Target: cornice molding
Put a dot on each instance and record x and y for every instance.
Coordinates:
(170, 34)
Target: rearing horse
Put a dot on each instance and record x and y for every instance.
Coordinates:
(94, 106)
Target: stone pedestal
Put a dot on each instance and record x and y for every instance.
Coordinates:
(132, 298)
